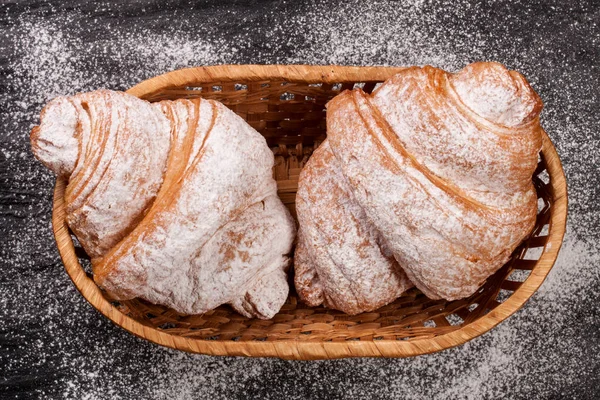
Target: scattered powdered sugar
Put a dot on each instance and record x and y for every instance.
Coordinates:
(56, 346)
(534, 354)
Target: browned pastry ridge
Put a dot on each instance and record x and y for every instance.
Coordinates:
(174, 201)
(427, 180)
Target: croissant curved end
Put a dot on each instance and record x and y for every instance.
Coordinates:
(54, 141)
(501, 96)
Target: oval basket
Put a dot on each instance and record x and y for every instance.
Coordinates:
(286, 105)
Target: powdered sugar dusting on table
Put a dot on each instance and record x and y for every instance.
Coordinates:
(547, 350)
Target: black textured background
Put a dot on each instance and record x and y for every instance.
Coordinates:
(54, 345)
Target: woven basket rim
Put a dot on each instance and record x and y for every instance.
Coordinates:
(310, 350)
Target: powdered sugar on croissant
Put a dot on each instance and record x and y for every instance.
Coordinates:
(356, 271)
(441, 165)
(175, 201)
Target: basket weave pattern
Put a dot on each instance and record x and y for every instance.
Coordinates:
(287, 106)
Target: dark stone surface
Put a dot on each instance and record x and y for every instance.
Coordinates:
(53, 344)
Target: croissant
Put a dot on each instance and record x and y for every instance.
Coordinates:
(174, 201)
(428, 177)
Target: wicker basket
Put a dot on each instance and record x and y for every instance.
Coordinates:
(286, 104)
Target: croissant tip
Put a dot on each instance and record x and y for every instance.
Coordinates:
(340, 97)
(498, 94)
(34, 134)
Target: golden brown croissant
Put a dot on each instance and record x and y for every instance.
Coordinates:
(433, 170)
(174, 201)
(343, 261)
